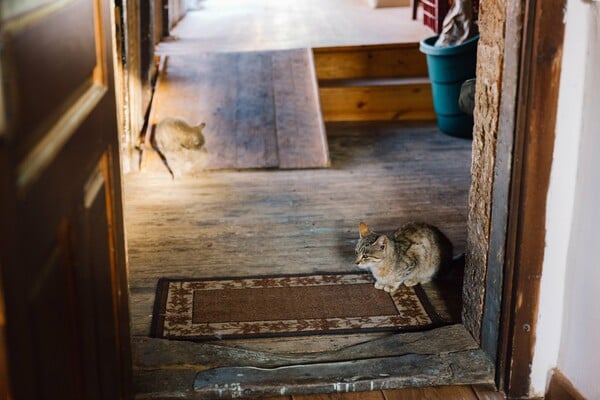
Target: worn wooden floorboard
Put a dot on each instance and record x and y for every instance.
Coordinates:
(152, 353)
(433, 393)
(164, 368)
(457, 392)
(411, 370)
(301, 136)
(375, 395)
(261, 109)
(243, 25)
(487, 392)
(229, 223)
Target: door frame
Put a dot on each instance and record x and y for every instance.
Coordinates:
(534, 116)
(525, 140)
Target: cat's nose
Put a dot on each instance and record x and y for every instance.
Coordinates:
(357, 261)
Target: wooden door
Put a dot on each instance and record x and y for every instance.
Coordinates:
(62, 248)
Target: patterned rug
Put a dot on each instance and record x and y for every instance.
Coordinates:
(290, 305)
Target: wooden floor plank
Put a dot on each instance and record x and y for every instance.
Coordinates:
(272, 398)
(255, 130)
(228, 223)
(374, 395)
(431, 393)
(300, 130)
(249, 25)
(235, 95)
(218, 105)
(151, 353)
(483, 392)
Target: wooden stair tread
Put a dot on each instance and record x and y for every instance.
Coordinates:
(402, 60)
(365, 82)
(374, 83)
(409, 102)
(261, 109)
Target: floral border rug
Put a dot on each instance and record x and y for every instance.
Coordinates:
(290, 305)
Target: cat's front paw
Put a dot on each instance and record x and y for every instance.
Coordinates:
(391, 288)
(410, 283)
(379, 285)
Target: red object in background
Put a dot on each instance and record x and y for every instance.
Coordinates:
(434, 12)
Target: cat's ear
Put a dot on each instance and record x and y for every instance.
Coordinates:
(381, 242)
(363, 230)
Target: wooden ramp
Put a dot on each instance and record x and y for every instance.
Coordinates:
(261, 109)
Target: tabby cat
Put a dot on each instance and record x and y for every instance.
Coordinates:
(414, 256)
(181, 145)
(174, 133)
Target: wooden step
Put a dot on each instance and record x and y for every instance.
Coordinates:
(403, 60)
(374, 83)
(465, 367)
(446, 355)
(377, 100)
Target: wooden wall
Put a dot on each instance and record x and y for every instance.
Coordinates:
(176, 11)
(139, 27)
(158, 21)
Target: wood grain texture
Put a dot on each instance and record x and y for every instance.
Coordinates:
(402, 60)
(301, 139)
(561, 388)
(227, 223)
(534, 147)
(484, 392)
(156, 353)
(488, 94)
(375, 395)
(352, 376)
(448, 392)
(261, 109)
(44, 51)
(494, 279)
(388, 102)
(250, 25)
(67, 321)
(432, 393)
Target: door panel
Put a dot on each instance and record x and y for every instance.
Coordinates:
(62, 249)
(59, 49)
(51, 304)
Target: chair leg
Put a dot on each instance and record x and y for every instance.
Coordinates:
(415, 5)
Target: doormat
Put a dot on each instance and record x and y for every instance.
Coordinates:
(290, 305)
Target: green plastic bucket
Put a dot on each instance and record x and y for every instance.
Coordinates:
(448, 68)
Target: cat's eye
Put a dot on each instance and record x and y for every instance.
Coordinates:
(365, 256)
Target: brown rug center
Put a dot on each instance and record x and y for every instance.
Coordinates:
(285, 305)
(304, 302)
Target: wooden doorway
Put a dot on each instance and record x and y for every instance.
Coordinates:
(513, 77)
(515, 335)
